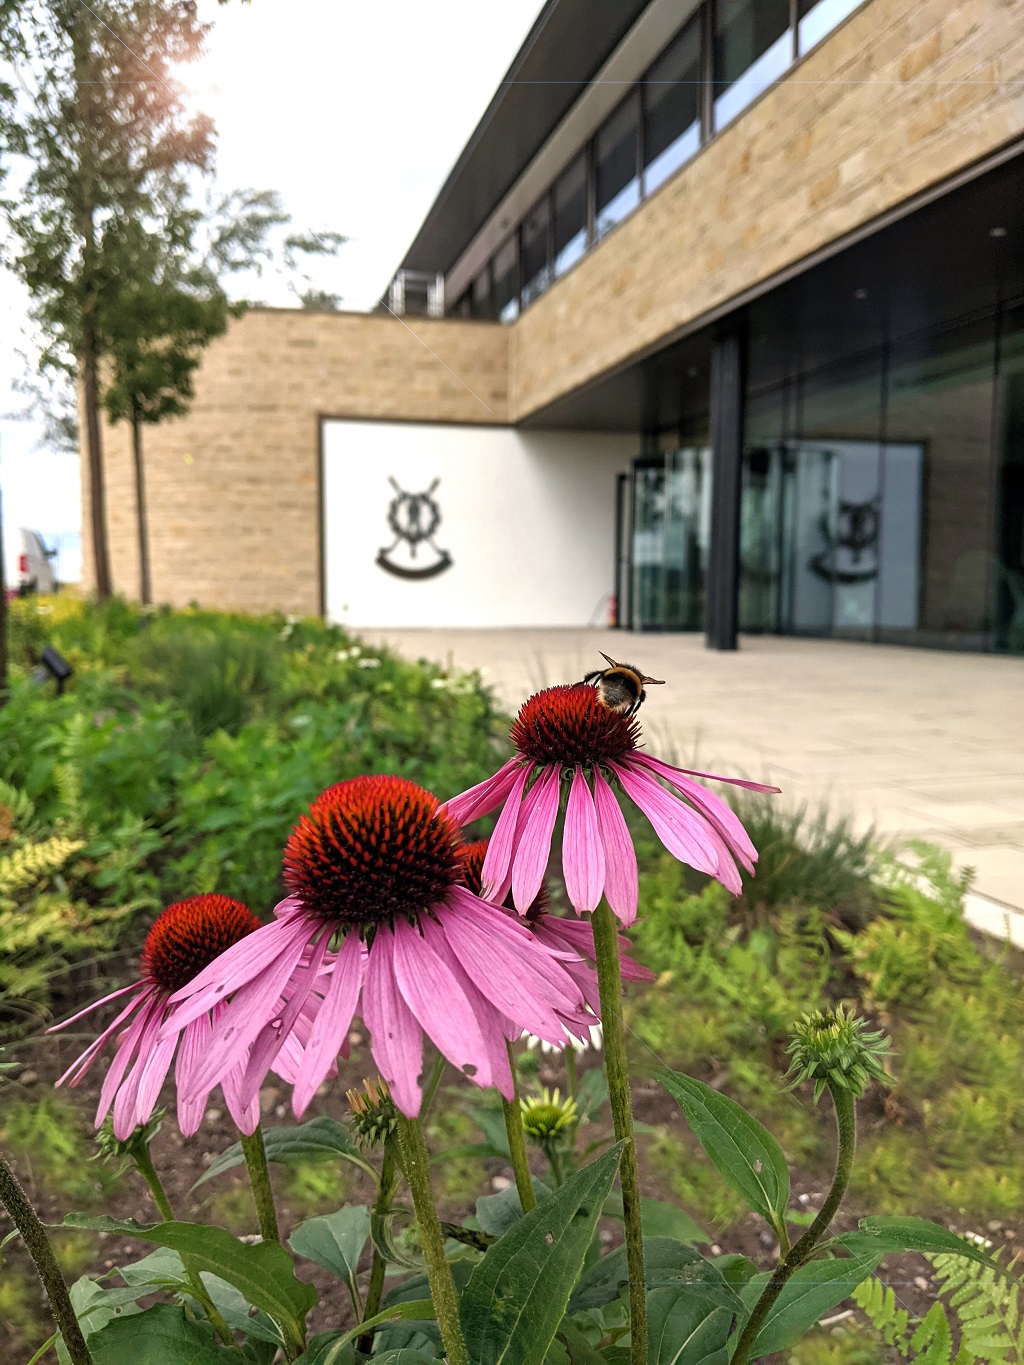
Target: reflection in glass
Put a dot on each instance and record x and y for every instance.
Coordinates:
(671, 533)
(482, 295)
(536, 266)
(615, 162)
(506, 280)
(672, 107)
(753, 48)
(1009, 569)
(819, 17)
(569, 210)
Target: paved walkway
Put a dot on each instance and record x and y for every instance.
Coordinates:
(918, 742)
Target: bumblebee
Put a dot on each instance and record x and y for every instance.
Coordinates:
(621, 687)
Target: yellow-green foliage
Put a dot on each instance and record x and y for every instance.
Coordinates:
(925, 1341)
(50, 1140)
(987, 1302)
(33, 863)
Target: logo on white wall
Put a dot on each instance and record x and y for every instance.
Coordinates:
(413, 519)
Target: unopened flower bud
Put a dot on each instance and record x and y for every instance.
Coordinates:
(374, 1117)
(546, 1115)
(833, 1048)
(112, 1148)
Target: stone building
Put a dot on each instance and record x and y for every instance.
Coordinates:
(717, 324)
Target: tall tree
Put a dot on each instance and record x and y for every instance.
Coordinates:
(165, 298)
(95, 131)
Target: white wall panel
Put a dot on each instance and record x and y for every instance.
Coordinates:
(527, 519)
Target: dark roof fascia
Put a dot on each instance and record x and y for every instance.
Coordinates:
(568, 44)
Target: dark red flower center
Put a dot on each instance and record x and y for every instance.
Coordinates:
(187, 936)
(372, 848)
(473, 878)
(570, 725)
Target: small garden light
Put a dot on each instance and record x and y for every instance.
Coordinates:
(56, 666)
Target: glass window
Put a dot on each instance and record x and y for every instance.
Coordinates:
(753, 48)
(819, 17)
(615, 158)
(672, 108)
(506, 279)
(536, 263)
(482, 301)
(1009, 565)
(569, 209)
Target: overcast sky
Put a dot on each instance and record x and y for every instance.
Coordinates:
(354, 112)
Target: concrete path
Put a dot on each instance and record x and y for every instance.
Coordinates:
(920, 743)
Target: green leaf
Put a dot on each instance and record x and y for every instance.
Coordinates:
(660, 1219)
(742, 1150)
(95, 1306)
(579, 1348)
(884, 1235)
(813, 1290)
(263, 1273)
(164, 1333)
(321, 1139)
(667, 1264)
(517, 1295)
(734, 1269)
(684, 1330)
(404, 1357)
(496, 1213)
(335, 1351)
(336, 1243)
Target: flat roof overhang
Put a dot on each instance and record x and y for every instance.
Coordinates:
(568, 43)
(936, 263)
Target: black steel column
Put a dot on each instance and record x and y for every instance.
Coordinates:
(727, 382)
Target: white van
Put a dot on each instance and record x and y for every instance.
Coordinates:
(35, 565)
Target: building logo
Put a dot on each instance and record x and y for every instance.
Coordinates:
(413, 519)
(852, 554)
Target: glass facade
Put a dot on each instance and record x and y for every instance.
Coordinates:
(883, 494)
(658, 127)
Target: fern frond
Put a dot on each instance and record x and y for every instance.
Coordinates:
(32, 863)
(877, 1302)
(16, 812)
(987, 1301)
(933, 1339)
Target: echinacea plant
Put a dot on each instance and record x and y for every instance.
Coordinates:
(448, 952)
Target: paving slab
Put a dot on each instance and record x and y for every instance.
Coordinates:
(921, 743)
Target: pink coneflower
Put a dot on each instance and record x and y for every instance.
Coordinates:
(568, 735)
(572, 939)
(374, 871)
(184, 939)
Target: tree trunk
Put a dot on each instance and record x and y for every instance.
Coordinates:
(94, 450)
(145, 585)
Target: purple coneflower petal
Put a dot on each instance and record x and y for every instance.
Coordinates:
(331, 1025)
(506, 966)
(716, 811)
(582, 854)
(502, 843)
(127, 1046)
(103, 1000)
(493, 1025)
(684, 832)
(137, 1097)
(195, 1038)
(718, 777)
(250, 1007)
(532, 855)
(485, 796)
(435, 997)
(396, 1039)
(272, 1035)
(81, 1064)
(243, 963)
(621, 882)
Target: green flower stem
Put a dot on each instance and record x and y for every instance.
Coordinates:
(572, 1090)
(416, 1165)
(140, 1154)
(609, 981)
(381, 1205)
(259, 1178)
(517, 1138)
(33, 1234)
(846, 1124)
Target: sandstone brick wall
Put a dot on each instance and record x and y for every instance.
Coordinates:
(903, 95)
(232, 490)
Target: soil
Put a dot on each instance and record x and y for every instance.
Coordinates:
(182, 1161)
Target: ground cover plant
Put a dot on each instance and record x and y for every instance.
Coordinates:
(705, 1231)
